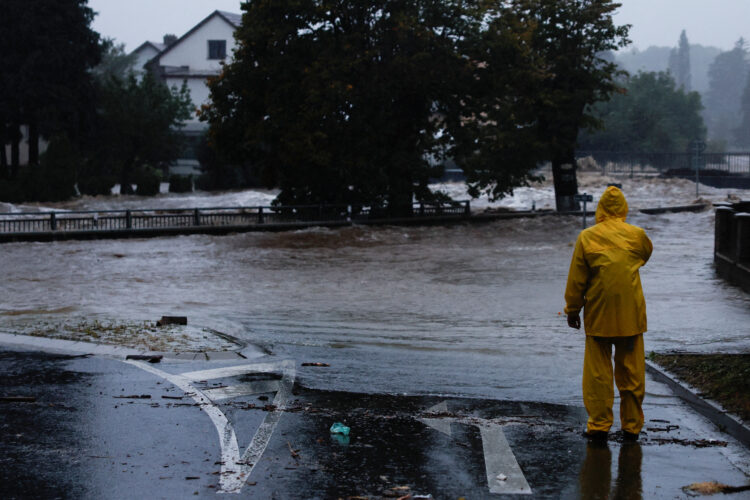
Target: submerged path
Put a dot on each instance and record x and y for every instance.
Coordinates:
(113, 224)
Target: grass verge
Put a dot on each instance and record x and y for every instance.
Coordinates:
(724, 378)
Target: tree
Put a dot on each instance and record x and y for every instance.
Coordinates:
(494, 131)
(742, 132)
(138, 126)
(47, 50)
(571, 37)
(651, 116)
(728, 77)
(339, 102)
(679, 63)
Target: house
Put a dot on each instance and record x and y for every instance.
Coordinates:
(147, 51)
(191, 59)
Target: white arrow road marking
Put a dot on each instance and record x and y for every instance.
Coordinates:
(247, 389)
(504, 475)
(235, 469)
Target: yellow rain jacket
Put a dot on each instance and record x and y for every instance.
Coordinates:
(603, 279)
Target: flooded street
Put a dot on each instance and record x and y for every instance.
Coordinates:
(471, 310)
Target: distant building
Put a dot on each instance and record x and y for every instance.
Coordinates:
(191, 59)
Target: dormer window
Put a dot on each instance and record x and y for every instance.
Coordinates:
(217, 49)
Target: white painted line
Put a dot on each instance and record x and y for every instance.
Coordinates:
(232, 371)
(235, 470)
(247, 389)
(504, 475)
(439, 424)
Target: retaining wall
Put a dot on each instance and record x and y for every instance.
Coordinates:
(732, 243)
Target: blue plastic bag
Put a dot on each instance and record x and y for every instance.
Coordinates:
(339, 428)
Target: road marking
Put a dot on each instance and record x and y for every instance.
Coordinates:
(504, 475)
(235, 469)
(247, 389)
(231, 371)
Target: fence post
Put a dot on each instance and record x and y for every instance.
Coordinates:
(467, 208)
(196, 217)
(421, 209)
(260, 215)
(52, 221)
(128, 220)
(742, 221)
(722, 231)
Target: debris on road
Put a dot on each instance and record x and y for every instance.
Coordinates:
(134, 396)
(172, 320)
(17, 399)
(713, 487)
(339, 428)
(155, 358)
(293, 452)
(315, 364)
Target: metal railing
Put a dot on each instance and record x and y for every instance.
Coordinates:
(656, 163)
(91, 221)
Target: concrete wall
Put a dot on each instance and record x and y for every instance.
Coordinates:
(732, 243)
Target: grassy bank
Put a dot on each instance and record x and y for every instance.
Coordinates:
(724, 378)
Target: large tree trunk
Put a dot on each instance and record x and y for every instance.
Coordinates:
(4, 168)
(33, 143)
(566, 184)
(15, 149)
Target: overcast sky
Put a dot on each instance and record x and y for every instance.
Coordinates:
(655, 22)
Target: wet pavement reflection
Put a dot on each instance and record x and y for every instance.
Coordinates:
(596, 472)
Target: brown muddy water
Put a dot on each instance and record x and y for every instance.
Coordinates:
(471, 310)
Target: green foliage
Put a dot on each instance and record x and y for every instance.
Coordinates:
(650, 116)
(357, 102)
(52, 180)
(147, 180)
(138, 126)
(95, 185)
(742, 132)
(679, 63)
(344, 97)
(180, 183)
(47, 50)
(728, 77)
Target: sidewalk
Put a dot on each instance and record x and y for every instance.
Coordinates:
(104, 427)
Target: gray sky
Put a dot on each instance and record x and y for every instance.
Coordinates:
(655, 22)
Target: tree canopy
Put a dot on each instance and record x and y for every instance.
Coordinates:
(651, 116)
(358, 102)
(679, 63)
(51, 49)
(728, 76)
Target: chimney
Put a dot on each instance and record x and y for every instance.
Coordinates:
(169, 39)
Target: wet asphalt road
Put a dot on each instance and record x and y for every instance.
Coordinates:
(102, 428)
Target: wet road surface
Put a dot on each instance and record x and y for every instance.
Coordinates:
(104, 428)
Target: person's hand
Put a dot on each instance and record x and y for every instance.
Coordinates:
(574, 321)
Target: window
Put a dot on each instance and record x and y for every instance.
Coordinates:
(217, 49)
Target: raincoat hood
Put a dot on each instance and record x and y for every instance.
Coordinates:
(612, 205)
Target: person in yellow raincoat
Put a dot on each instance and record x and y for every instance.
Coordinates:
(604, 281)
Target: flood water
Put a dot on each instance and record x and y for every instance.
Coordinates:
(471, 310)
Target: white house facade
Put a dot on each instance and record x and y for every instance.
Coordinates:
(191, 59)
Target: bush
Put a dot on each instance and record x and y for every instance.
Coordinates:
(96, 185)
(148, 180)
(180, 183)
(52, 180)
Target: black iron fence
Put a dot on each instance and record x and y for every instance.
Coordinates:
(93, 221)
(659, 163)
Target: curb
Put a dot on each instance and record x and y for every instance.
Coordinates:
(83, 348)
(726, 422)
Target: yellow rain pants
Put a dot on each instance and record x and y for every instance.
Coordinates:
(629, 375)
(604, 281)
